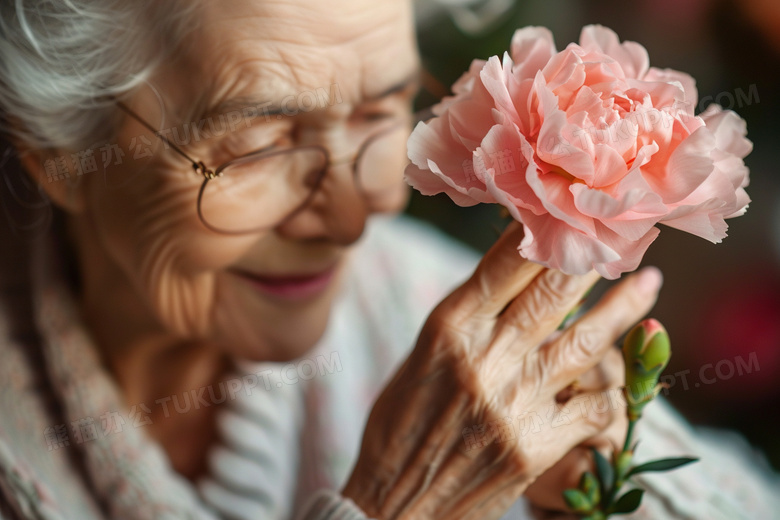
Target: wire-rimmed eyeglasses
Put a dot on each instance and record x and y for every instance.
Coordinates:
(267, 187)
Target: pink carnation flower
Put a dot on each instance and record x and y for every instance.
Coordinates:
(589, 148)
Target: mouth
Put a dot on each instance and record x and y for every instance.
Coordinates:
(290, 286)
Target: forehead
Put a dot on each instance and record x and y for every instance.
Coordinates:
(265, 50)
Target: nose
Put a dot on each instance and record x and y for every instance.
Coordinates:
(338, 211)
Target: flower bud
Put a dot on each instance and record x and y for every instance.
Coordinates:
(623, 464)
(589, 485)
(646, 352)
(577, 501)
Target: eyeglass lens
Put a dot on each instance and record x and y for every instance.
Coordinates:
(260, 190)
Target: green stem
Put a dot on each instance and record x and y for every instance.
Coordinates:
(629, 435)
(611, 496)
(618, 483)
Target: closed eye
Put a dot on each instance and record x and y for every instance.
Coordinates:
(249, 142)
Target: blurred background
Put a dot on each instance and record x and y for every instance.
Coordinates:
(720, 303)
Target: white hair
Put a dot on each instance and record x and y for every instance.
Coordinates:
(60, 59)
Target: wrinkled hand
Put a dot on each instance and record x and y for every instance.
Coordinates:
(607, 378)
(484, 358)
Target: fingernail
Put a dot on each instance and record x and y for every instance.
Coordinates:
(649, 280)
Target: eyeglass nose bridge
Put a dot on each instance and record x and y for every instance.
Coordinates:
(346, 160)
(350, 159)
(353, 157)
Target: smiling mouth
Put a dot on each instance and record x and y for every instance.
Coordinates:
(290, 286)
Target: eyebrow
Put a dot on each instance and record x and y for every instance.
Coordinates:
(266, 108)
(412, 80)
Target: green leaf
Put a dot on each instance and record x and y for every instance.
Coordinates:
(661, 465)
(589, 484)
(605, 472)
(577, 501)
(628, 503)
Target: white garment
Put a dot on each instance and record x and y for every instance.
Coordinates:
(255, 467)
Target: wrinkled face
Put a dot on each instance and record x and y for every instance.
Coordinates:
(336, 68)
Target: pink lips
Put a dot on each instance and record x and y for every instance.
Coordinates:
(296, 287)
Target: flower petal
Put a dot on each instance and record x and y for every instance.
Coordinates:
(531, 49)
(702, 220)
(505, 154)
(687, 84)
(617, 215)
(729, 130)
(631, 56)
(441, 164)
(689, 165)
(555, 244)
(630, 252)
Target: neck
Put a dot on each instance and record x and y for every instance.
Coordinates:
(152, 367)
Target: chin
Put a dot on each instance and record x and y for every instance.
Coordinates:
(259, 329)
(281, 342)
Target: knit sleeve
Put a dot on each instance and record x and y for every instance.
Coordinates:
(327, 504)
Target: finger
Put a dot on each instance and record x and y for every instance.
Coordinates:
(547, 490)
(586, 342)
(500, 276)
(539, 310)
(583, 417)
(610, 372)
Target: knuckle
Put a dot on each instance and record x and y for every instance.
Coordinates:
(552, 294)
(529, 312)
(480, 286)
(516, 462)
(472, 380)
(449, 319)
(579, 344)
(598, 412)
(445, 345)
(599, 420)
(608, 373)
(544, 299)
(559, 287)
(546, 295)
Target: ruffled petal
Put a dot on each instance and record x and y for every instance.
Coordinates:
(557, 245)
(690, 164)
(631, 56)
(531, 49)
(630, 252)
(441, 164)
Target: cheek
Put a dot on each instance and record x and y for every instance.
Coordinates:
(151, 231)
(393, 199)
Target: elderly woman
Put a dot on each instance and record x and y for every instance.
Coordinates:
(226, 290)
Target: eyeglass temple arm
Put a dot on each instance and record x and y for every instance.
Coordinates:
(199, 167)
